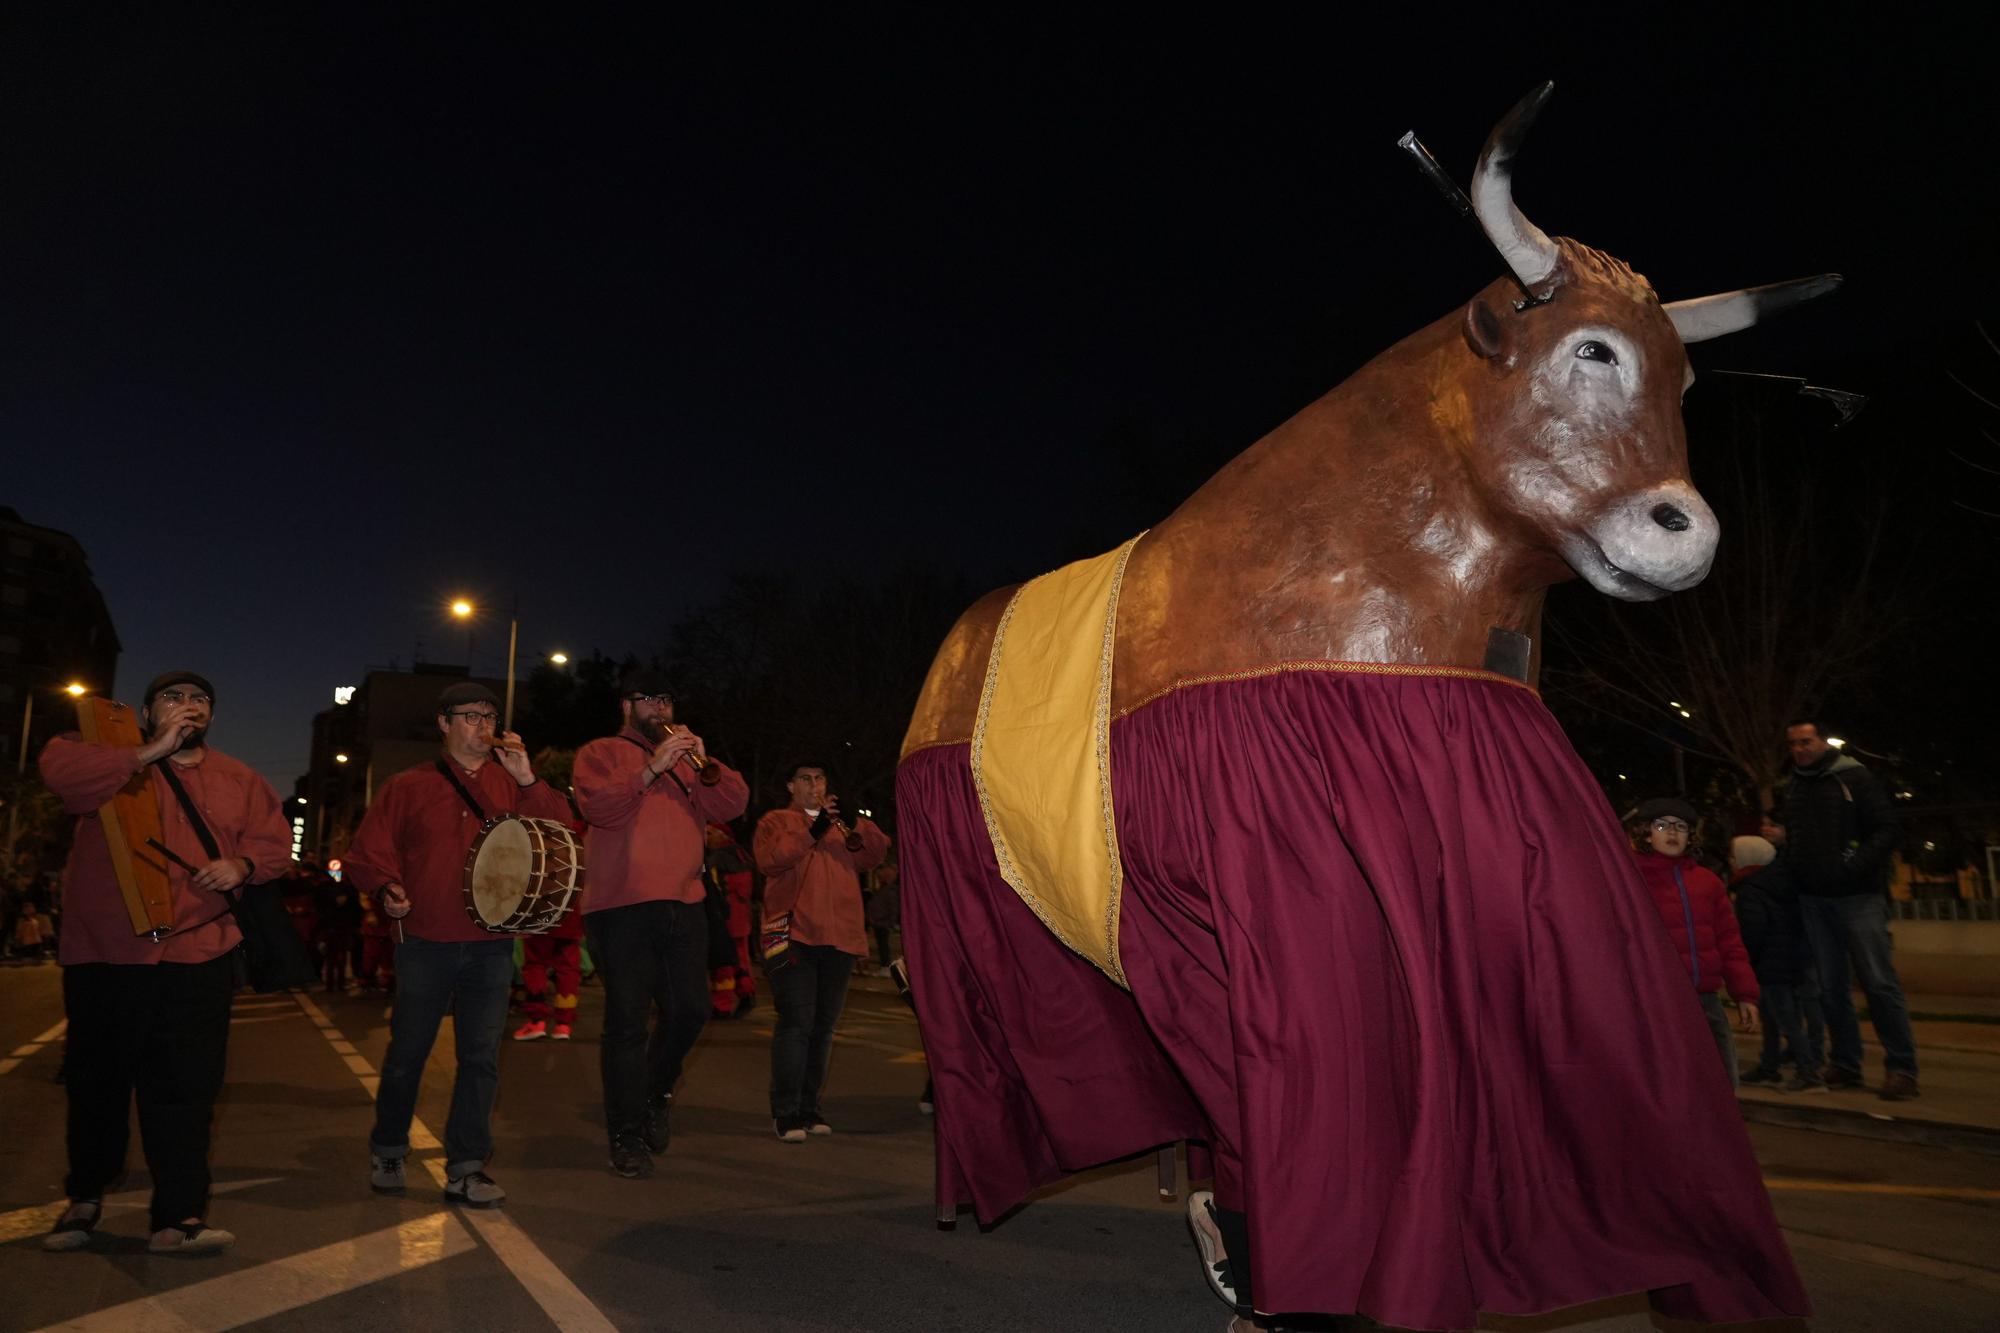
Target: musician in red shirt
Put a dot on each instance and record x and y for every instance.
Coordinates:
(411, 850)
(152, 1015)
(648, 793)
(811, 871)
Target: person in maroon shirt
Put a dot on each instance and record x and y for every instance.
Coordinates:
(411, 849)
(152, 1015)
(645, 911)
(812, 874)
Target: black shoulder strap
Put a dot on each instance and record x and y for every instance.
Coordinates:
(647, 750)
(208, 843)
(464, 795)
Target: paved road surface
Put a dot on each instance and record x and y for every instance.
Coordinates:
(740, 1231)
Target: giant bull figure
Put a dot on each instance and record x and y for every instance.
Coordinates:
(1370, 929)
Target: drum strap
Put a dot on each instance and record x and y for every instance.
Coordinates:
(451, 777)
(207, 839)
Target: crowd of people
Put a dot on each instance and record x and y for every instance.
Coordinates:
(1803, 915)
(666, 923)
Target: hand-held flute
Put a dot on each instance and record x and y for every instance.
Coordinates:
(710, 774)
(854, 840)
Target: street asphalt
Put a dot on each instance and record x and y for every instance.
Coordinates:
(737, 1230)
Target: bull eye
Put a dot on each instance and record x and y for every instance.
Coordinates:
(1596, 351)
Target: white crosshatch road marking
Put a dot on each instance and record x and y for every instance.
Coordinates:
(27, 1049)
(244, 1297)
(561, 1300)
(25, 1222)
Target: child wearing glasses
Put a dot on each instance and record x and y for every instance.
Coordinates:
(1695, 909)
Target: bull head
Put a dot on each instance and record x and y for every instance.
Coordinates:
(1600, 460)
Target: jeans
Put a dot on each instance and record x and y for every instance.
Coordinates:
(162, 1030)
(1858, 924)
(468, 981)
(1718, 1027)
(809, 995)
(649, 955)
(1785, 1032)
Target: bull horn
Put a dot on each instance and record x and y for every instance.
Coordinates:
(1527, 249)
(1708, 317)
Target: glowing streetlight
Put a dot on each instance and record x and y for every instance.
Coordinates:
(462, 609)
(340, 759)
(76, 689)
(559, 659)
(1837, 742)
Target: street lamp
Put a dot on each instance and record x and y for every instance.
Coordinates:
(76, 689)
(559, 659)
(340, 759)
(465, 610)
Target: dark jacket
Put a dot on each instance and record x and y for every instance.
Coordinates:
(1694, 908)
(1839, 829)
(1773, 928)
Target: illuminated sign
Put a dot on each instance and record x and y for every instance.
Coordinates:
(343, 694)
(298, 835)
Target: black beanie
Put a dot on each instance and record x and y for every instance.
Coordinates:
(466, 692)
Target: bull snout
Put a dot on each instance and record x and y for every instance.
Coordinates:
(1648, 545)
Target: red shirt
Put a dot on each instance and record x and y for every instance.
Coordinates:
(817, 882)
(647, 838)
(419, 830)
(240, 809)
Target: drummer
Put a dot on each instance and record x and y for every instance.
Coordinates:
(411, 848)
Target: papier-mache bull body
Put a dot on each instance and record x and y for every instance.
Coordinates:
(1372, 932)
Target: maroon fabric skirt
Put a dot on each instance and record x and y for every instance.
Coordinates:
(1390, 958)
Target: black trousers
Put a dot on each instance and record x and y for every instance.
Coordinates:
(160, 1030)
(649, 955)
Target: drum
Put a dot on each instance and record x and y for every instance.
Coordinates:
(522, 874)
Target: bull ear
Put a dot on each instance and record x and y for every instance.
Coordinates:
(1708, 317)
(1483, 333)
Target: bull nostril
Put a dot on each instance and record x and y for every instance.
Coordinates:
(1670, 518)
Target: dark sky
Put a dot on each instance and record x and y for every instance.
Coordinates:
(311, 320)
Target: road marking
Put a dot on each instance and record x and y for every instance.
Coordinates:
(1866, 1187)
(1985, 1279)
(263, 1018)
(271, 1289)
(28, 1048)
(25, 1222)
(561, 1300)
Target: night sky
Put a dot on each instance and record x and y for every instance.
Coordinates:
(312, 320)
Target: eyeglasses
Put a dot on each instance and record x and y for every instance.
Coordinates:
(657, 700)
(182, 697)
(1670, 825)
(474, 716)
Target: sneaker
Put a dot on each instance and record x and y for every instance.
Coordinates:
(534, 1031)
(560, 1032)
(1837, 1078)
(475, 1189)
(1208, 1240)
(385, 1174)
(657, 1132)
(73, 1229)
(815, 1123)
(1804, 1083)
(189, 1238)
(1762, 1075)
(630, 1159)
(1899, 1087)
(789, 1131)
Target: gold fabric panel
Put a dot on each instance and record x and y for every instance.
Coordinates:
(1041, 753)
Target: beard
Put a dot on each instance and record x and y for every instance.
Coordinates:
(193, 742)
(652, 728)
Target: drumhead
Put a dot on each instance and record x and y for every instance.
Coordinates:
(502, 867)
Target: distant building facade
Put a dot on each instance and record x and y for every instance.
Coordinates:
(387, 724)
(54, 629)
